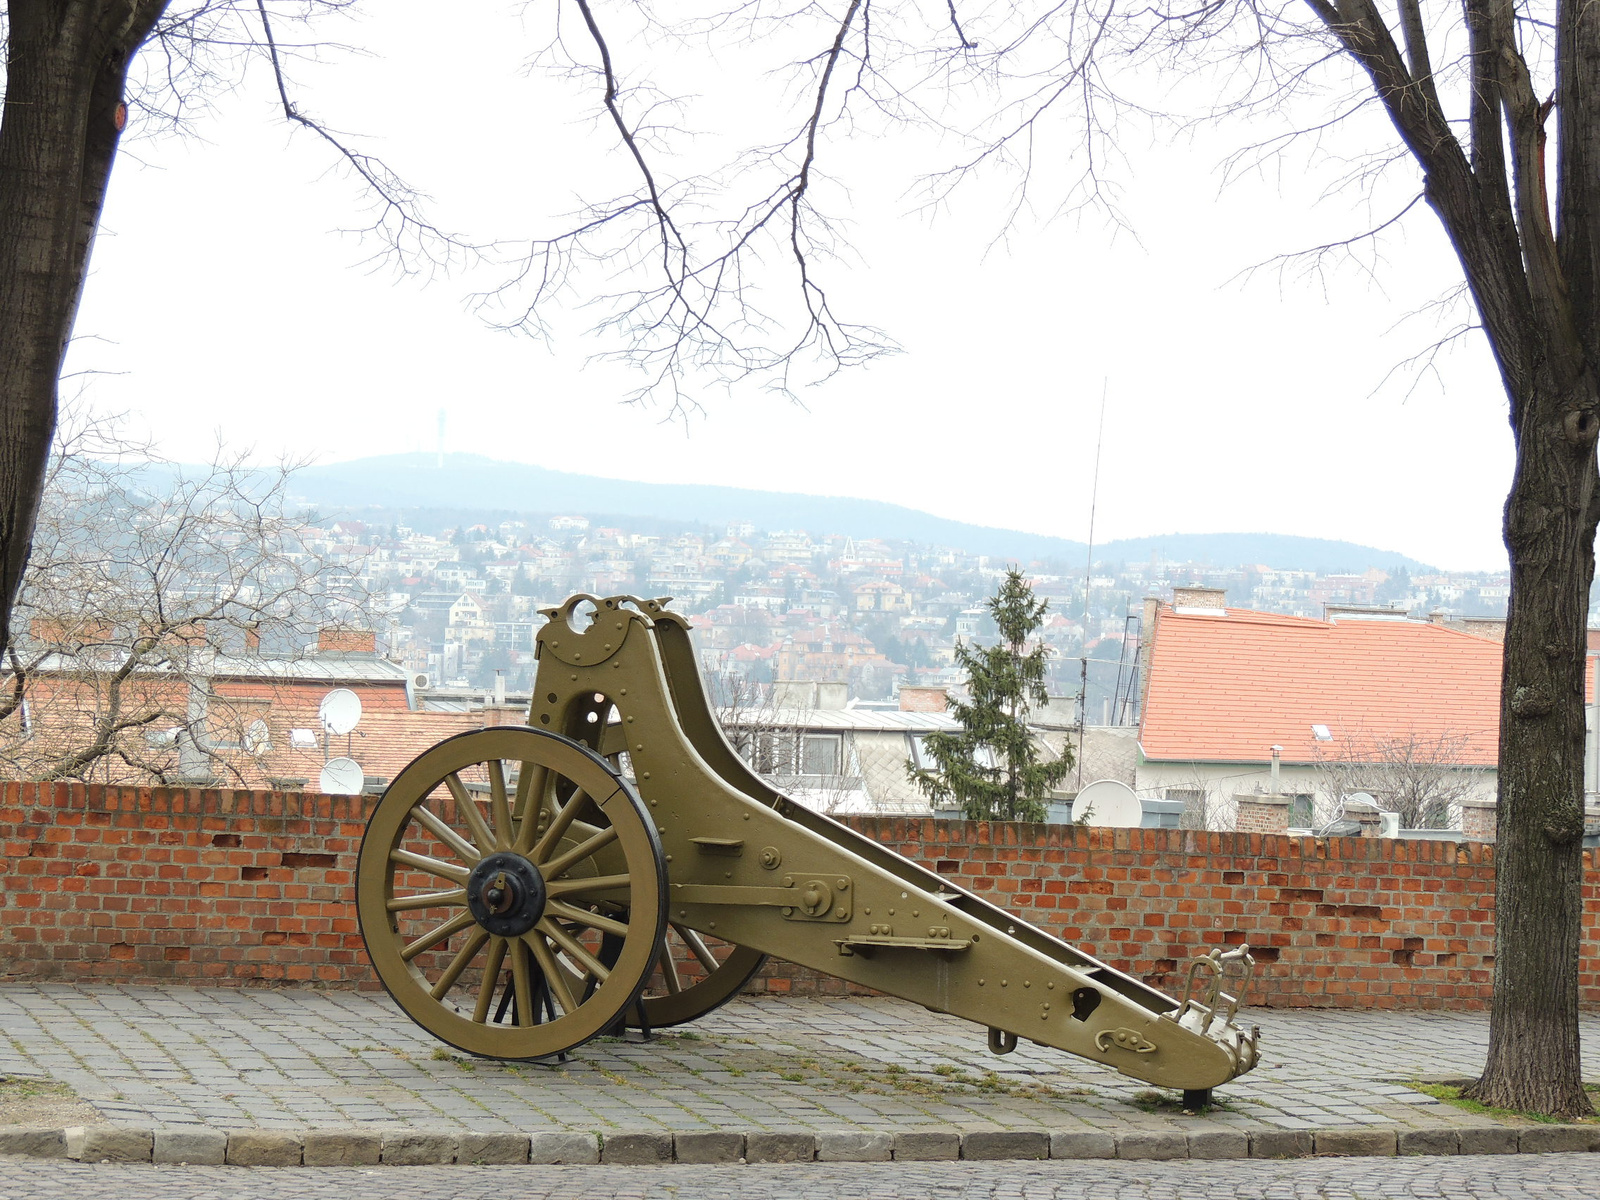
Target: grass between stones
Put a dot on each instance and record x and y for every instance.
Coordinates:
(745, 1057)
(1151, 1100)
(1450, 1093)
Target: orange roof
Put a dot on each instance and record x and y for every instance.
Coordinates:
(1227, 688)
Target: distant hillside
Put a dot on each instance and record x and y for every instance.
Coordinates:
(472, 481)
(1279, 550)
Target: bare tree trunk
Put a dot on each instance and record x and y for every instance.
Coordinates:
(1533, 1060)
(65, 72)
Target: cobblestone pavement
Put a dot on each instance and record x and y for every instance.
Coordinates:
(1514, 1177)
(295, 1059)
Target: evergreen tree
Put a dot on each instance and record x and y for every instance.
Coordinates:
(991, 765)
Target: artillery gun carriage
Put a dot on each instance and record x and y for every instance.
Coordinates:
(522, 889)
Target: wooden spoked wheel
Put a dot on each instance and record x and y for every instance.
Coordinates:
(511, 893)
(695, 974)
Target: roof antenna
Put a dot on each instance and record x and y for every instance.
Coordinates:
(1088, 575)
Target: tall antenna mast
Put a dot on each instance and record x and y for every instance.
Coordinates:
(1088, 575)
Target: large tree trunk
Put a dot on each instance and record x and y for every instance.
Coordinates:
(66, 68)
(1550, 517)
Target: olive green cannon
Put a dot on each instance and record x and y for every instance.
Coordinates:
(522, 889)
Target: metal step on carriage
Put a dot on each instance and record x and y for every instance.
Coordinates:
(523, 889)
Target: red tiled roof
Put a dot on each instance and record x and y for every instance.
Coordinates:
(1227, 688)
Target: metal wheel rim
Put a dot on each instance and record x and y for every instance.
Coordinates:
(584, 998)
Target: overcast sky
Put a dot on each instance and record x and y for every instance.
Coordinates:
(224, 302)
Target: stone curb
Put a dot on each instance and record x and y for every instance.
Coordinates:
(204, 1146)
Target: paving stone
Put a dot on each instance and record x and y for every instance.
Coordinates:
(551, 1148)
(987, 1145)
(637, 1148)
(264, 1148)
(1487, 1139)
(1359, 1142)
(292, 1060)
(415, 1148)
(1219, 1143)
(492, 1149)
(708, 1146)
(927, 1145)
(116, 1143)
(1548, 1139)
(1429, 1141)
(848, 1145)
(196, 1147)
(781, 1145)
(1152, 1145)
(34, 1141)
(1280, 1143)
(1082, 1143)
(342, 1148)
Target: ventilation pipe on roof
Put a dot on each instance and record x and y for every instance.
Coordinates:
(1277, 755)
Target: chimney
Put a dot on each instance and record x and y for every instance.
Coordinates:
(252, 638)
(923, 699)
(1147, 646)
(347, 641)
(1186, 599)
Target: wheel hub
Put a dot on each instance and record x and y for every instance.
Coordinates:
(506, 894)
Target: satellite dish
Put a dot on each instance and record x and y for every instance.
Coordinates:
(1108, 802)
(340, 711)
(341, 777)
(258, 738)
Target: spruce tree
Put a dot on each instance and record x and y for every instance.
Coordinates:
(991, 765)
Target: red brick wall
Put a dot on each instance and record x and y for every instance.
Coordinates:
(235, 887)
(207, 887)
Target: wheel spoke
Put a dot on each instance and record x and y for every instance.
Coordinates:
(468, 952)
(669, 969)
(467, 809)
(583, 916)
(432, 866)
(554, 975)
(437, 934)
(522, 980)
(698, 948)
(558, 827)
(451, 899)
(532, 781)
(491, 980)
(563, 862)
(499, 806)
(574, 948)
(555, 888)
(434, 824)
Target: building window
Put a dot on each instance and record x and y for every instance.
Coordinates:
(822, 754)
